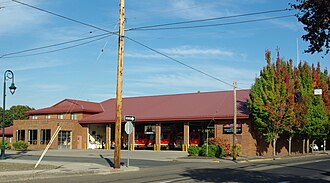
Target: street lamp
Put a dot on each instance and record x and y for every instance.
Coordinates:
(9, 75)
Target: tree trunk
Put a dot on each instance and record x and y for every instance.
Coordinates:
(313, 141)
(307, 144)
(290, 143)
(274, 147)
(324, 145)
(303, 146)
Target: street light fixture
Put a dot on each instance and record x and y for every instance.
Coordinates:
(9, 75)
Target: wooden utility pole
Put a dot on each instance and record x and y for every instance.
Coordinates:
(235, 123)
(119, 86)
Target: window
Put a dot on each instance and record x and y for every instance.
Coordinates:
(60, 116)
(20, 135)
(44, 136)
(33, 134)
(74, 116)
(47, 116)
(34, 117)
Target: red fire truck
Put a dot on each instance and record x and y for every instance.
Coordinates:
(194, 139)
(140, 140)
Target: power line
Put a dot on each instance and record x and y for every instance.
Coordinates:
(214, 25)
(175, 60)
(167, 24)
(53, 45)
(61, 16)
(51, 51)
(209, 19)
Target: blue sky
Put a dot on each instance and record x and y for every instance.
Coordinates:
(231, 52)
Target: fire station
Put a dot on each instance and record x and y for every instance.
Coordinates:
(162, 122)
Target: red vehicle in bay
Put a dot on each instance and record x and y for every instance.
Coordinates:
(194, 139)
(166, 140)
(151, 140)
(140, 140)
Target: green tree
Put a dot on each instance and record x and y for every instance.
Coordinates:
(15, 113)
(290, 124)
(315, 15)
(268, 100)
(303, 84)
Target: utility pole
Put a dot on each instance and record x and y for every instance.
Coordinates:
(119, 86)
(235, 122)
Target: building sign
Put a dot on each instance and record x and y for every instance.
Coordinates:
(317, 91)
(228, 128)
(150, 129)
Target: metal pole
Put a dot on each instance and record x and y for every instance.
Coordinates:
(128, 148)
(207, 142)
(3, 118)
(235, 122)
(119, 86)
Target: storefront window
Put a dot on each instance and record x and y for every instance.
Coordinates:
(33, 134)
(20, 135)
(44, 136)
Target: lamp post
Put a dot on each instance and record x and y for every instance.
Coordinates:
(9, 75)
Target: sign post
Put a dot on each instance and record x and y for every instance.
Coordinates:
(129, 130)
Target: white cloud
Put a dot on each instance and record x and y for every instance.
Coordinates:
(191, 9)
(15, 17)
(197, 51)
(46, 87)
(35, 64)
(184, 51)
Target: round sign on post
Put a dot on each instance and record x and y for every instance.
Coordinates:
(129, 127)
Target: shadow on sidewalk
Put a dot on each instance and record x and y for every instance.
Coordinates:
(110, 163)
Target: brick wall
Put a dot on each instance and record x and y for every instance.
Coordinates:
(66, 125)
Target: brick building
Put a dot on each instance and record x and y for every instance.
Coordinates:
(89, 125)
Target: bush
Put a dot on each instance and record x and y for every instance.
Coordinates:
(213, 151)
(20, 145)
(7, 145)
(224, 143)
(194, 150)
(238, 149)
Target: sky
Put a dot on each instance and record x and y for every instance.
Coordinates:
(89, 71)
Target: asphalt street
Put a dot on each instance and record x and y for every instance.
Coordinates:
(302, 169)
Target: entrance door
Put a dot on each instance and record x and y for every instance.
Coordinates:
(79, 142)
(64, 140)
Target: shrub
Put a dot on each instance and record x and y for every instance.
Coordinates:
(224, 143)
(213, 151)
(194, 150)
(20, 145)
(238, 149)
(7, 145)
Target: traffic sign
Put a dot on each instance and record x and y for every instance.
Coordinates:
(128, 127)
(130, 118)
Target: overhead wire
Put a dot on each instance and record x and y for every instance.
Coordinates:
(51, 51)
(208, 19)
(61, 16)
(214, 25)
(141, 44)
(175, 60)
(7, 55)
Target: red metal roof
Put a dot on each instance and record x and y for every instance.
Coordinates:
(70, 106)
(8, 131)
(193, 106)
